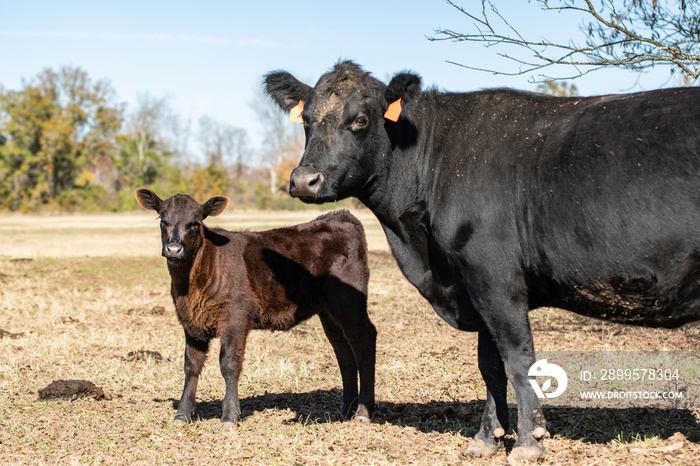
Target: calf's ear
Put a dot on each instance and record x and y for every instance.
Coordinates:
(214, 206)
(285, 89)
(405, 86)
(148, 199)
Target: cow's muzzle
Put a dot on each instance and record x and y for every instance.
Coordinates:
(305, 183)
(173, 251)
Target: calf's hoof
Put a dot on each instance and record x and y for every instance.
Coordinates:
(479, 448)
(361, 418)
(180, 420)
(228, 425)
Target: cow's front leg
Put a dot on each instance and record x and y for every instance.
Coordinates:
(231, 362)
(195, 355)
(494, 422)
(510, 330)
(531, 423)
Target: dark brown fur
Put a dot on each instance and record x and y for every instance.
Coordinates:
(226, 283)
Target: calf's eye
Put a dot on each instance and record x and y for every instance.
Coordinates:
(361, 121)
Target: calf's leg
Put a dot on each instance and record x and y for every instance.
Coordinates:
(233, 342)
(355, 346)
(195, 355)
(362, 337)
(346, 362)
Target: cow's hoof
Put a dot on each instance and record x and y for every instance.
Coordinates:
(481, 449)
(180, 420)
(228, 425)
(361, 418)
(522, 453)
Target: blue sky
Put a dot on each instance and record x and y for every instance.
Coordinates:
(209, 57)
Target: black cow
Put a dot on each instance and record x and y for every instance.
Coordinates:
(499, 201)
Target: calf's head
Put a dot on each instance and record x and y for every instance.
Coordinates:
(181, 228)
(346, 137)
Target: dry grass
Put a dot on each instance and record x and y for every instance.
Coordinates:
(87, 298)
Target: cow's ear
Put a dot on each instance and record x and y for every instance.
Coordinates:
(148, 199)
(405, 86)
(214, 206)
(285, 89)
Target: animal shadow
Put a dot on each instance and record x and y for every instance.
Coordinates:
(592, 425)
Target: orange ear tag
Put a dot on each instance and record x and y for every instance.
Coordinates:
(295, 113)
(394, 110)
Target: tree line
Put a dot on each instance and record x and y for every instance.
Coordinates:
(67, 144)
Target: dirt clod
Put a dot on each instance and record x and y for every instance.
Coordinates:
(72, 390)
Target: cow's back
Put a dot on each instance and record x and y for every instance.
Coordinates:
(599, 197)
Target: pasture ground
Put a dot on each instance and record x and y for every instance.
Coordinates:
(87, 297)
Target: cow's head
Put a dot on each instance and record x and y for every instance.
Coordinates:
(346, 139)
(181, 228)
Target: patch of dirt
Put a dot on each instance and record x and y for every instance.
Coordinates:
(154, 311)
(144, 355)
(72, 390)
(67, 320)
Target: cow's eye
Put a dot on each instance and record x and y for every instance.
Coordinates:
(361, 121)
(193, 225)
(164, 224)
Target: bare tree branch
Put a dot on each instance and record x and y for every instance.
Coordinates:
(637, 35)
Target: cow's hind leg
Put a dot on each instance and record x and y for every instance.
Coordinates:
(195, 354)
(354, 348)
(494, 422)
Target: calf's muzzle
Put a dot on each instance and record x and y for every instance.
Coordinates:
(173, 251)
(305, 182)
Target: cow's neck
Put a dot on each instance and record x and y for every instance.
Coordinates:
(403, 198)
(403, 184)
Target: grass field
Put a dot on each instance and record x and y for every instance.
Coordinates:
(87, 297)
